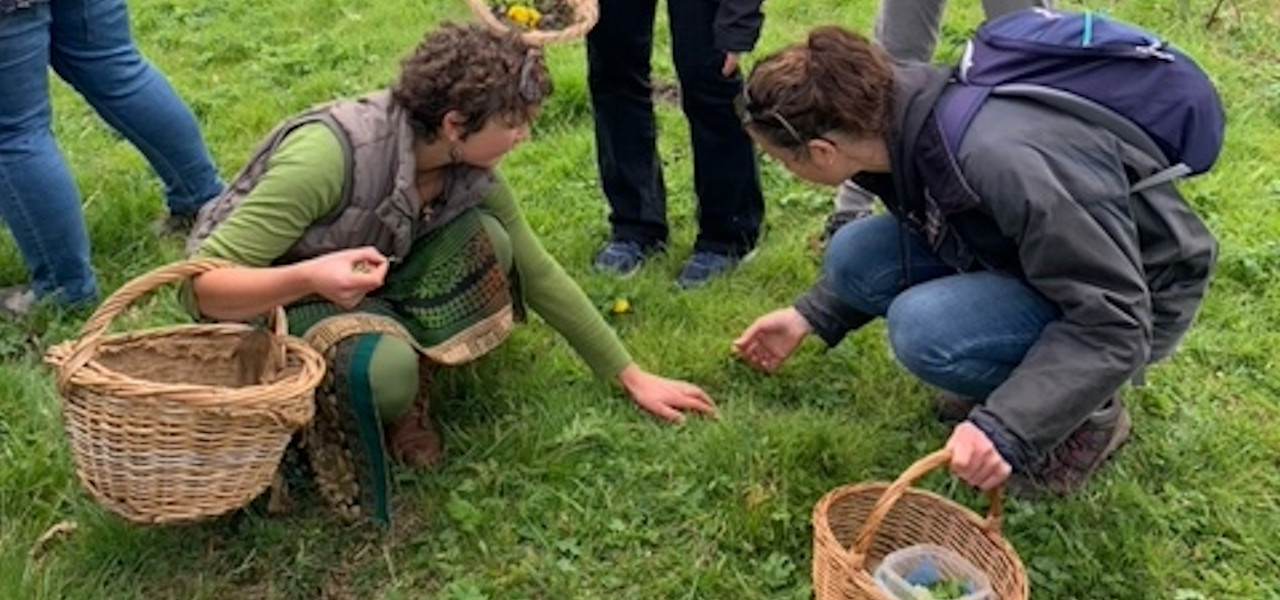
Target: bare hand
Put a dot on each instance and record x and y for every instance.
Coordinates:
(662, 397)
(772, 339)
(347, 276)
(730, 63)
(975, 459)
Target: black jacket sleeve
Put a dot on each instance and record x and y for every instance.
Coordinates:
(737, 24)
(829, 316)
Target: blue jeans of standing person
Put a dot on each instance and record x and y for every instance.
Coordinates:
(962, 332)
(88, 44)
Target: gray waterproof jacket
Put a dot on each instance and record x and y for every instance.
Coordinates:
(1054, 207)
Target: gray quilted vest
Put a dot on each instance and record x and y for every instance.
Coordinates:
(377, 207)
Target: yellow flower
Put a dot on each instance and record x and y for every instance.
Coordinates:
(525, 16)
(621, 306)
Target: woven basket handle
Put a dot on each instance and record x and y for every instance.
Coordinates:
(585, 15)
(936, 460)
(95, 327)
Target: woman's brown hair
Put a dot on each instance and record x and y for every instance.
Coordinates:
(836, 80)
(475, 71)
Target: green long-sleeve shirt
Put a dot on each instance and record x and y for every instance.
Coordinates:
(304, 182)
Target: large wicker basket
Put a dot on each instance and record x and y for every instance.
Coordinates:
(585, 15)
(162, 426)
(856, 526)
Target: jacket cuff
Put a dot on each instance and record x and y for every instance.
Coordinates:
(737, 26)
(830, 317)
(1012, 449)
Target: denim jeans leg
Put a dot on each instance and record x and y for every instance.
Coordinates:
(966, 333)
(864, 263)
(38, 196)
(92, 50)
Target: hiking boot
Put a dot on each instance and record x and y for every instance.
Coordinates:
(952, 408)
(703, 266)
(839, 219)
(1069, 466)
(175, 225)
(622, 258)
(412, 439)
(16, 301)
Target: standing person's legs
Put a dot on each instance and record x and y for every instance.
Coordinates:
(93, 51)
(38, 197)
(908, 29)
(726, 176)
(995, 8)
(618, 60)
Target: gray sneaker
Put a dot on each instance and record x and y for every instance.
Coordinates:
(16, 301)
(1069, 466)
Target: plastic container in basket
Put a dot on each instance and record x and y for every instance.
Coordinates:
(163, 426)
(857, 527)
(931, 572)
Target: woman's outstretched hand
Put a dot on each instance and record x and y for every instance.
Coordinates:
(664, 398)
(772, 339)
(346, 276)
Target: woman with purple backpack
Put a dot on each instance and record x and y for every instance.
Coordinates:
(1025, 269)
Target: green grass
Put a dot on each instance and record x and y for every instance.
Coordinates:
(556, 486)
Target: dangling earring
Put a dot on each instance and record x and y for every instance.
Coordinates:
(455, 156)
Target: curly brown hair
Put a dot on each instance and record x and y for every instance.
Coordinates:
(836, 80)
(475, 71)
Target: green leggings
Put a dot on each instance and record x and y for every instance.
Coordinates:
(392, 366)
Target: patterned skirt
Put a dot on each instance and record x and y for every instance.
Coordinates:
(451, 300)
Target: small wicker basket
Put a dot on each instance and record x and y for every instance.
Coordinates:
(162, 426)
(856, 526)
(585, 15)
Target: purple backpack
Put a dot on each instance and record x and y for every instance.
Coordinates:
(1115, 75)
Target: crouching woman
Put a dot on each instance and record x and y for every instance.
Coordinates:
(1026, 276)
(380, 224)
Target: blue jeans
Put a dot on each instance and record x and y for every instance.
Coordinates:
(88, 44)
(963, 332)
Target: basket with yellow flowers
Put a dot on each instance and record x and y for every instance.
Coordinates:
(539, 21)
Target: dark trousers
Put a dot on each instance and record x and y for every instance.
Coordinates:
(725, 175)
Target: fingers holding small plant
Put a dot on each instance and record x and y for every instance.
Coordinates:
(347, 276)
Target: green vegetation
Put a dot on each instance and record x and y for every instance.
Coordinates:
(555, 486)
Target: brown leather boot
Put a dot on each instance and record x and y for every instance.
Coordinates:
(952, 408)
(413, 439)
(1069, 466)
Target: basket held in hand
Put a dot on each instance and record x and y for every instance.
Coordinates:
(856, 526)
(585, 15)
(162, 425)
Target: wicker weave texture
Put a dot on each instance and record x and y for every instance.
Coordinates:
(585, 15)
(856, 526)
(161, 425)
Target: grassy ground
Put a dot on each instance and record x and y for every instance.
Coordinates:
(556, 487)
